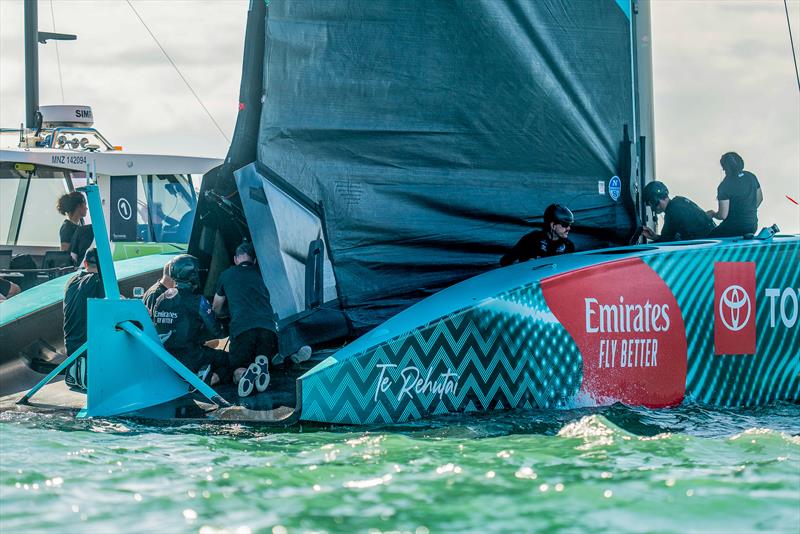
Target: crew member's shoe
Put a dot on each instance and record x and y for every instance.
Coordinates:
(262, 380)
(248, 380)
(301, 355)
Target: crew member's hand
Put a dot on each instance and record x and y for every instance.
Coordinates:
(212, 343)
(648, 233)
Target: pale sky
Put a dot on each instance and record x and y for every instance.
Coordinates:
(722, 72)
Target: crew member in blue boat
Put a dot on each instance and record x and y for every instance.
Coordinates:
(159, 288)
(738, 197)
(683, 219)
(253, 337)
(85, 285)
(185, 323)
(551, 241)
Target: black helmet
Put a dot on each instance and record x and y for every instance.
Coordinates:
(186, 271)
(558, 213)
(654, 192)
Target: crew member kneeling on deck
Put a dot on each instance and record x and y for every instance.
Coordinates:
(85, 285)
(159, 288)
(253, 331)
(551, 241)
(683, 219)
(185, 322)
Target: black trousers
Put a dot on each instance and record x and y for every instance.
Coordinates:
(246, 346)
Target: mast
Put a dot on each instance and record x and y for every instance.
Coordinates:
(32, 37)
(31, 62)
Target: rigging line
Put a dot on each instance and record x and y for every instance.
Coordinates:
(58, 54)
(791, 41)
(178, 71)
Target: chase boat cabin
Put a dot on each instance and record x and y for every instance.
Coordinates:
(148, 200)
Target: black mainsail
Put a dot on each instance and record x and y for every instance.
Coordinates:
(385, 150)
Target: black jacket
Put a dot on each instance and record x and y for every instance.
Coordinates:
(184, 321)
(536, 245)
(684, 220)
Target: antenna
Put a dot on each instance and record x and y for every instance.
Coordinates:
(32, 37)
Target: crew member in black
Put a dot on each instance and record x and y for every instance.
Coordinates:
(74, 236)
(159, 288)
(683, 219)
(85, 285)
(185, 322)
(252, 329)
(738, 197)
(73, 207)
(8, 289)
(551, 241)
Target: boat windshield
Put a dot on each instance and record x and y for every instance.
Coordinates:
(28, 217)
(166, 204)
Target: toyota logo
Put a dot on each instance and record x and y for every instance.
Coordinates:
(734, 308)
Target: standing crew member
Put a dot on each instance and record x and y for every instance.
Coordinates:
(738, 197)
(73, 206)
(74, 236)
(551, 241)
(83, 286)
(683, 219)
(159, 288)
(184, 320)
(252, 328)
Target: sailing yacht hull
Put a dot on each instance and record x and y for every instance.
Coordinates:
(709, 322)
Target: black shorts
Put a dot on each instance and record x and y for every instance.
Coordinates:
(250, 343)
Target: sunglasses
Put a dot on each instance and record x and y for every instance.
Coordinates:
(565, 224)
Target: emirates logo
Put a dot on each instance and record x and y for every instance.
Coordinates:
(734, 308)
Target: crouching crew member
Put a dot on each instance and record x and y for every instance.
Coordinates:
(253, 338)
(85, 285)
(184, 321)
(159, 288)
(551, 241)
(683, 219)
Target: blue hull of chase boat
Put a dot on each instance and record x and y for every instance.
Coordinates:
(714, 322)
(31, 323)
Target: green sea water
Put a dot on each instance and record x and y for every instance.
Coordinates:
(616, 469)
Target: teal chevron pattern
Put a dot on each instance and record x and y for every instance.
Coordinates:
(506, 352)
(509, 351)
(773, 372)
